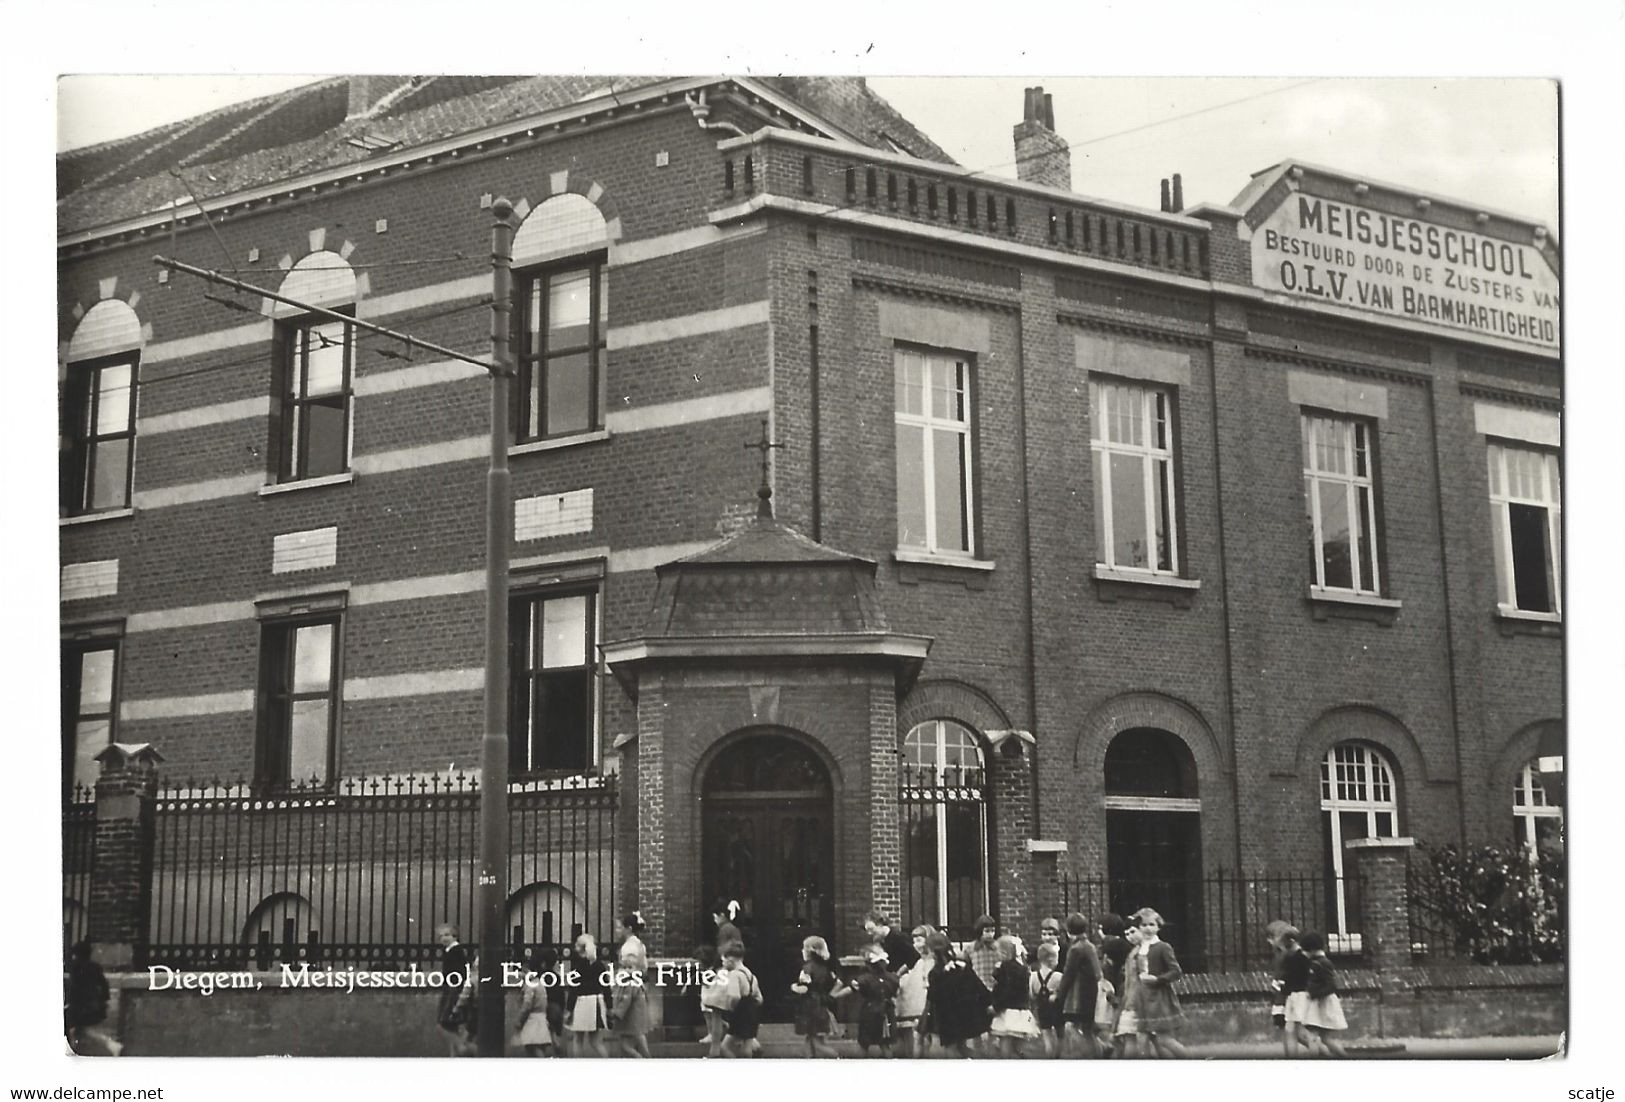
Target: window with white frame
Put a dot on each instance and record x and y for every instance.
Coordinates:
(552, 656)
(560, 255)
(89, 708)
(1340, 500)
(298, 701)
(312, 426)
(935, 507)
(98, 431)
(1131, 437)
(1526, 510)
(944, 828)
(1358, 799)
(1538, 820)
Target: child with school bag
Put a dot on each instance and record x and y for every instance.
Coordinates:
(1323, 1013)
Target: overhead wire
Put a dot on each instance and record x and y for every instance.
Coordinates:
(829, 211)
(960, 172)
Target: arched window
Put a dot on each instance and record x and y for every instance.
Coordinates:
(281, 928)
(945, 827)
(315, 365)
(545, 914)
(559, 254)
(98, 409)
(1538, 819)
(1358, 799)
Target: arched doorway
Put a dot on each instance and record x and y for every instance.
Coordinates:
(768, 842)
(1154, 834)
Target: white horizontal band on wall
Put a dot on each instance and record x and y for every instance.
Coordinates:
(220, 413)
(1357, 396)
(687, 325)
(189, 616)
(688, 411)
(188, 493)
(421, 683)
(218, 340)
(1131, 360)
(1532, 426)
(936, 326)
(419, 375)
(424, 455)
(414, 589)
(464, 288)
(178, 707)
(1152, 803)
(663, 415)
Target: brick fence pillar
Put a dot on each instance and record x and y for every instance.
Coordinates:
(121, 888)
(1380, 865)
(650, 803)
(885, 807)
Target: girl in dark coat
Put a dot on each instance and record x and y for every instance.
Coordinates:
(816, 985)
(1080, 987)
(955, 1000)
(1013, 1023)
(876, 989)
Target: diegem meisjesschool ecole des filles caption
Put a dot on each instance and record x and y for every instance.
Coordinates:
(1110, 550)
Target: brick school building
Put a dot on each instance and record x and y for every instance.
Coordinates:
(1102, 543)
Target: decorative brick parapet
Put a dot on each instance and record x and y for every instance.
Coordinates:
(1385, 920)
(121, 891)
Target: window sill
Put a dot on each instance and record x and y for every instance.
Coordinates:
(1324, 603)
(555, 443)
(914, 567)
(1517, 621)
(92, 518)
(343, 479)
(1112, 585)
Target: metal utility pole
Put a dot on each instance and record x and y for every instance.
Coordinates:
(492, 902)
(493, 883)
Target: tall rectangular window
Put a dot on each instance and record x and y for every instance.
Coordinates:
(1526, 512)
(89, 704)
(561, 350)
(934, 488)
(98, 430)
(1339, 494)
(552, 709)
(316, 361)
(298, 701)
(1132, 440)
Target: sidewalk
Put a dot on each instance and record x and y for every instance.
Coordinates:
(1369, 1048)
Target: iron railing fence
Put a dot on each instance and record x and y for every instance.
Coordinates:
(1215, 922)
(945, 865)
(78, 862)
(1523, 924)
(362, 872)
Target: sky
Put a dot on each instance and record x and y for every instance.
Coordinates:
(1492, 142)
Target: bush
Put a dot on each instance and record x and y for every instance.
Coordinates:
(1498, 905)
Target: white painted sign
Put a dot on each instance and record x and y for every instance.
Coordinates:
(1383, 263)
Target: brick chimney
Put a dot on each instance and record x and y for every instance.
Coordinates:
(1042, 155)
(360, 100)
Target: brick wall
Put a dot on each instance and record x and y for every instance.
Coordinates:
(1243, 669)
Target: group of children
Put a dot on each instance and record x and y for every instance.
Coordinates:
(1305, 1008)
(558, 1019)
(1093, 989)
(920, 996)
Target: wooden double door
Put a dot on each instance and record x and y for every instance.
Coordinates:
(768, 842)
